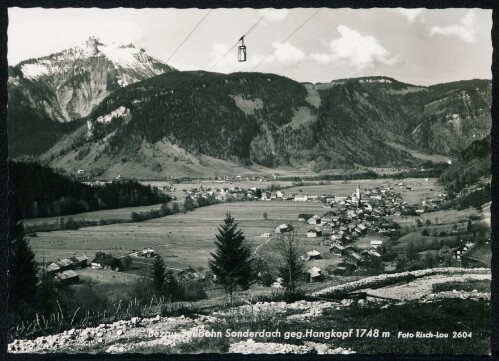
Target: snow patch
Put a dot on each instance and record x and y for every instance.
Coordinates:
(375, 81)
(33, 71)
(129, 58)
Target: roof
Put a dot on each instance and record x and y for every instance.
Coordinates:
(66, 275)
(356, 256)
(313, 230)
(79, 258)
(305, 215)
(313, 253)
(53, 267)
(341, 248)
(480, 252)
(314, 271)
(64, 262)
(105, 259)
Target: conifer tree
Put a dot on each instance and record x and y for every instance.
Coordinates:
(231, 262)
(22, 268)
(158, 275)
(290, 265)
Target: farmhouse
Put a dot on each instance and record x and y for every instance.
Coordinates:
(353, 258)
(105, 261)
(314, 233)
(283, 228)
(315, 219)
(314, 274)
(67, 277)
(303, 217)
(373, 253)
(459, 251)
(79, 261)
(311, 255)
(376, 243)
(189, 274)
(53, 267)
(337, 249)
(65, 264)
(344, 269)
(147, 253)
(479, 255)
(301, 198)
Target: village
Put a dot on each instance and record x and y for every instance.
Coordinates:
(355, 235)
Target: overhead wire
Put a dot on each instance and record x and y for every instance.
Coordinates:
(188, 36)
(237, 42)
(284, 41)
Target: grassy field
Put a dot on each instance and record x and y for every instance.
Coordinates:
(182, 239)
(187, 239)
(446, 217)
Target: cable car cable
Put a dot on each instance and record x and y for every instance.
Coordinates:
(237, 42)
(282, 42)
(188, 36)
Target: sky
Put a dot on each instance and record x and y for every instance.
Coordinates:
(416, 46)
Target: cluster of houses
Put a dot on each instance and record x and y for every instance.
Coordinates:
(248, 178)
(431, 204)
(64, 270)
(237, 193)
(64, 273)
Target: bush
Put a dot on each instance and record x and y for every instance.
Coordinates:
(192, 291)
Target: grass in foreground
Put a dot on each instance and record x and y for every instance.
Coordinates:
(445, 316)
(468, 285)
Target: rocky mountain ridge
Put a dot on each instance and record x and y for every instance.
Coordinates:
(69, 84)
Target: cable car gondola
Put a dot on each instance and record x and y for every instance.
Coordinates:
(241, 50)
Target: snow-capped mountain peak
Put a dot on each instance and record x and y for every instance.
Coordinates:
(79, 78)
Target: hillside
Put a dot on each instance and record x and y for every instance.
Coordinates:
(195, 122)
(195, 118)
(474, 163)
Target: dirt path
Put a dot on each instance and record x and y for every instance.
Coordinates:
(420, 287)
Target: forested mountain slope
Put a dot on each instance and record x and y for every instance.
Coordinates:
(272, 121)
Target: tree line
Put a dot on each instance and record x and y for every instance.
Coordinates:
(42, 192)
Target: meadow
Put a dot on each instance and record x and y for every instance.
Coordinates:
(185, 240)
(182, 239)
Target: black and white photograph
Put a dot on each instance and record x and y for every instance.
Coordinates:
(305, 180)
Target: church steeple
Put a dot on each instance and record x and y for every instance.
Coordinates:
(357, 193)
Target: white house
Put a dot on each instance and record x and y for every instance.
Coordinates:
(301, 198)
